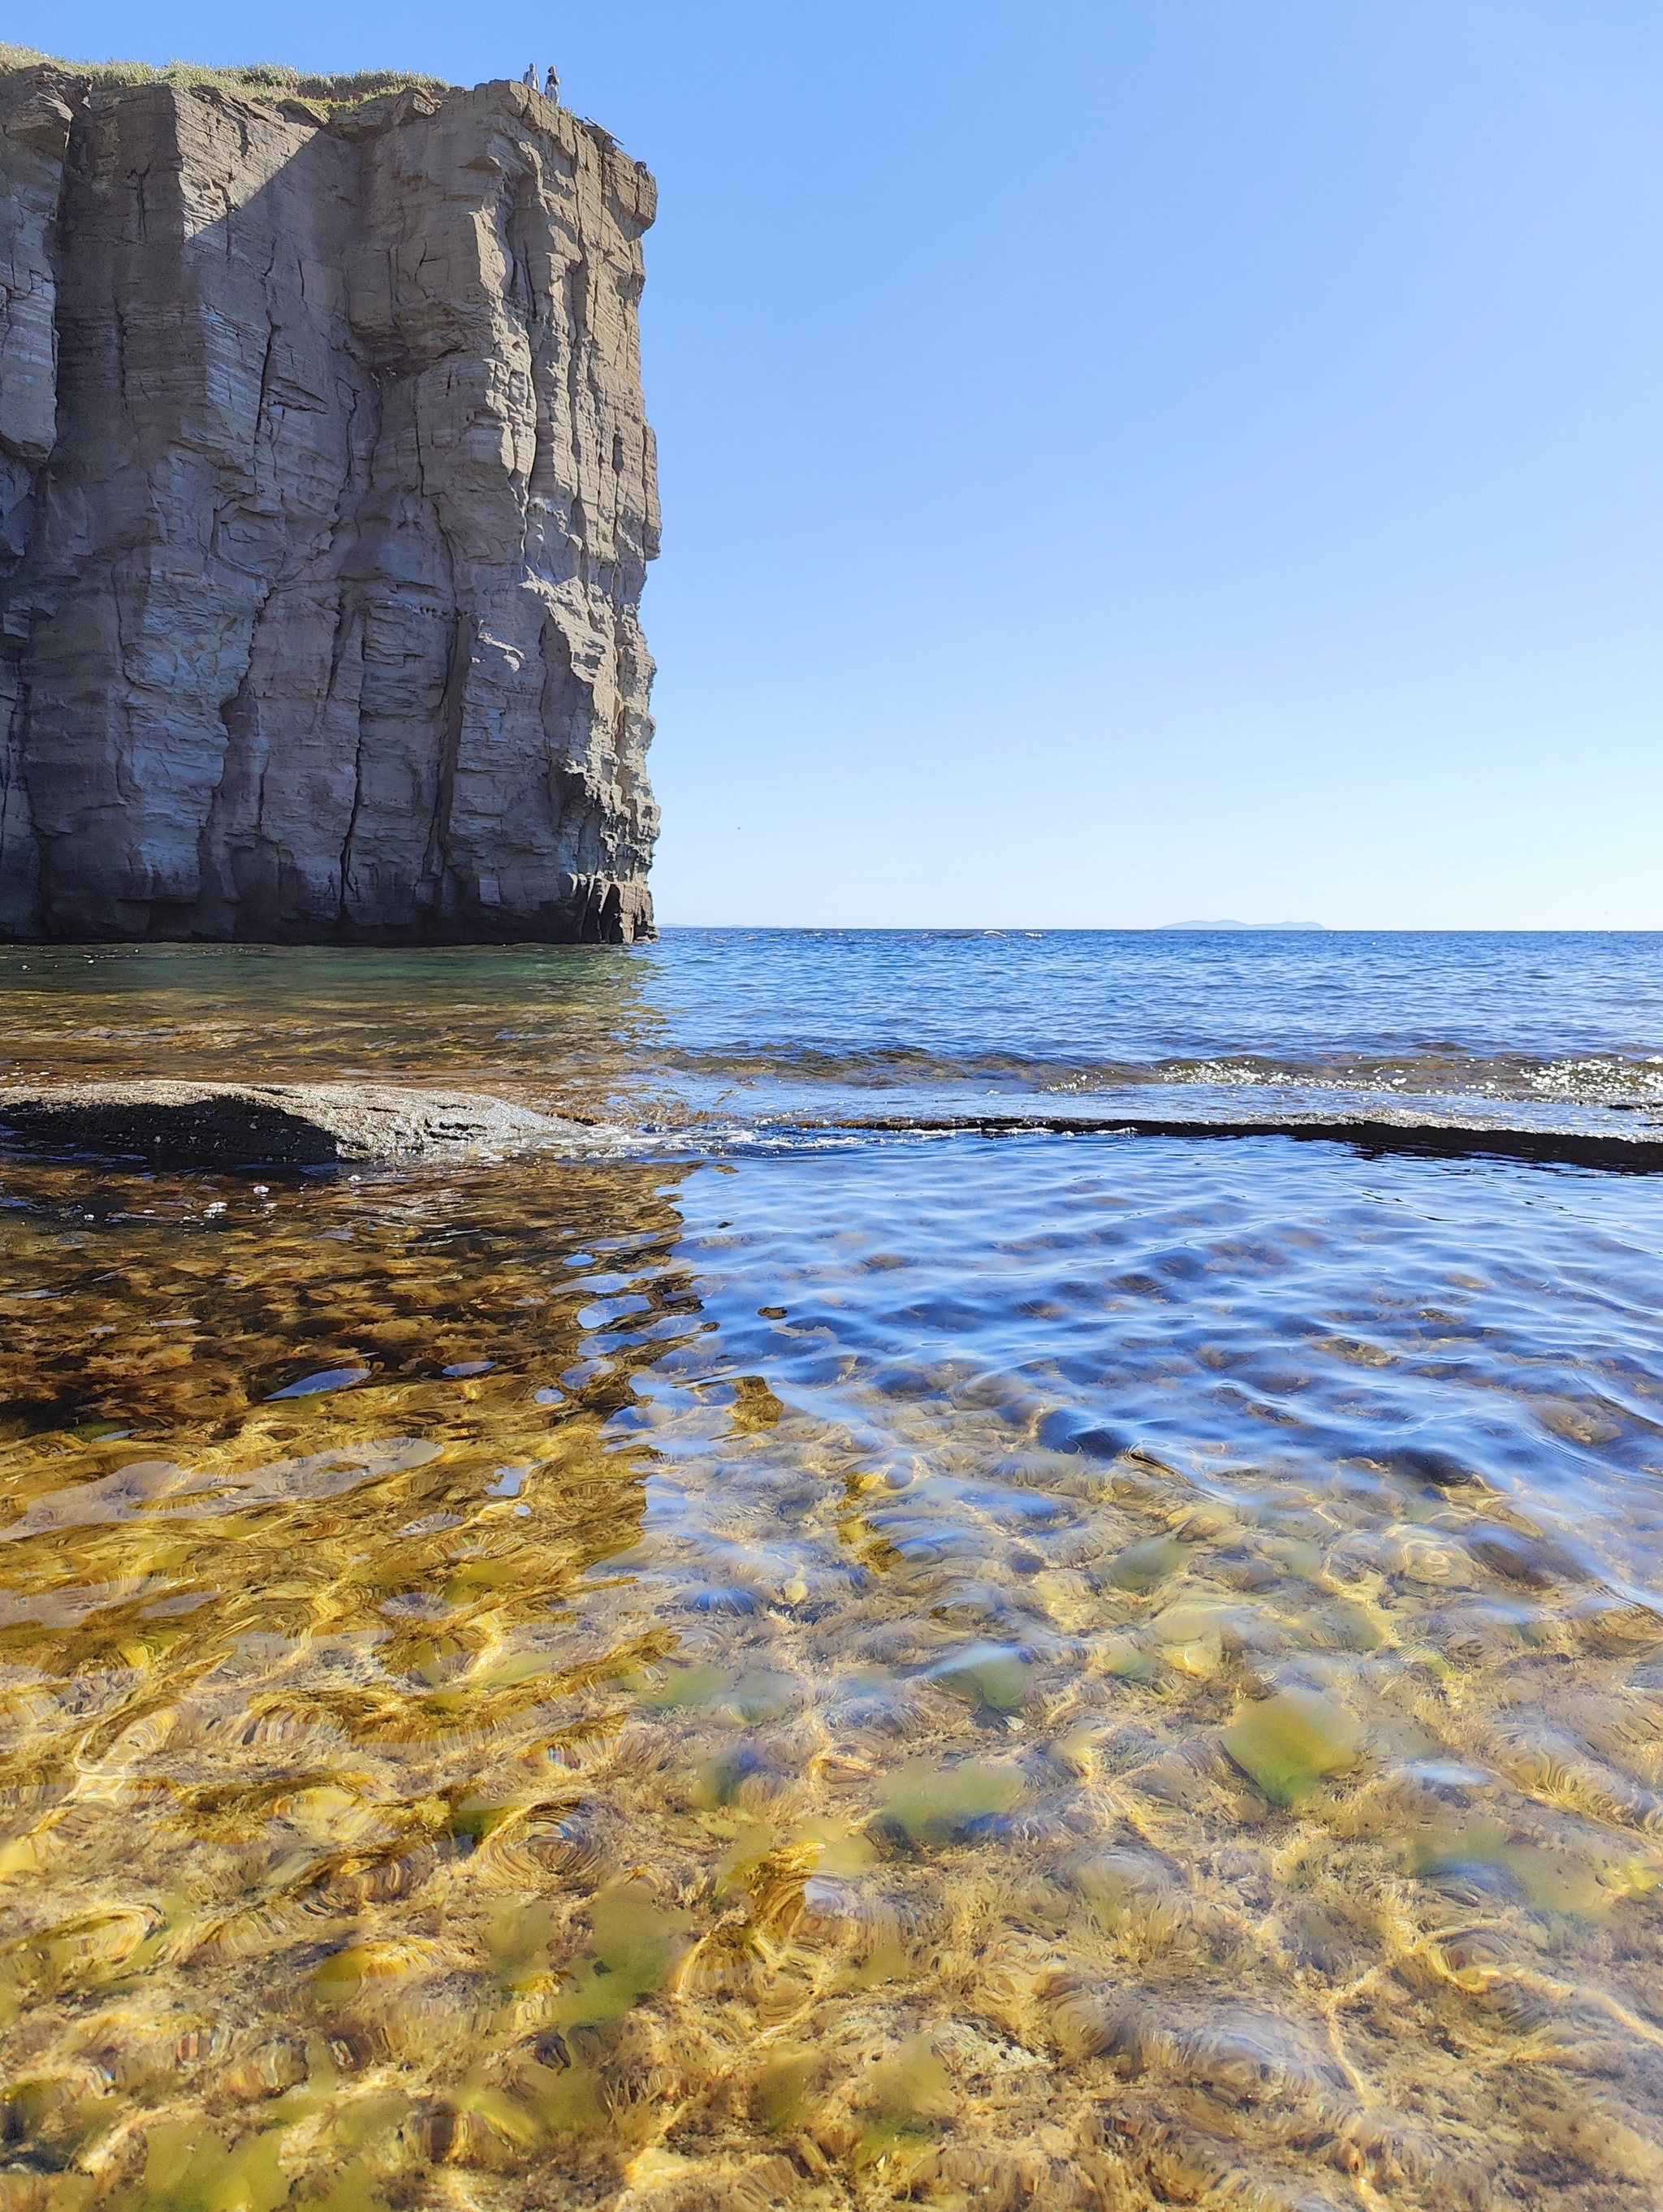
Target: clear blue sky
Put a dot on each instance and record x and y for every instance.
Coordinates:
(1123, 461)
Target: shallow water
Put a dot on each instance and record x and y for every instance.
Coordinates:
(726, 1028)
(1055, 1672)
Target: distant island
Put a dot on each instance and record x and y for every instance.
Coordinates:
(1240, 925)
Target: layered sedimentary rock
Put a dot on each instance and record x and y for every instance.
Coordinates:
(326, 495)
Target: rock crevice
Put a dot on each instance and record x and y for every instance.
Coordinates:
(326, 495)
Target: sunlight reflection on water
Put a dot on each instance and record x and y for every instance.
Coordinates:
(1136, 1674)
(1083, 1673)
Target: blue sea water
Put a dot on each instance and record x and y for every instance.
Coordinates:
(846, 1667)
(1099, 1016)
(1554, 1028)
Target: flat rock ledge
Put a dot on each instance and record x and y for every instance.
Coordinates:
(286, 1124)
(1443, 1136)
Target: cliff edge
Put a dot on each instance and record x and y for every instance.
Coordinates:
(326, 495)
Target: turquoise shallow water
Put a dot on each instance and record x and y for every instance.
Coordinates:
(860, 1670)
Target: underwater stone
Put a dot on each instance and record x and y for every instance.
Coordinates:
(1289, 1743)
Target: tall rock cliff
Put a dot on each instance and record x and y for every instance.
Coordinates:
(326, 497)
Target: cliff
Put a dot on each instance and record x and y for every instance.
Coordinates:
(326, 495)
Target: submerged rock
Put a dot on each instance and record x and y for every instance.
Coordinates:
(296, 1124)
(326, 495)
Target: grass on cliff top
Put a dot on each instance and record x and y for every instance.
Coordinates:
(255, 80)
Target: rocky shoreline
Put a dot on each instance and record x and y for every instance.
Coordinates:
(330, 1124)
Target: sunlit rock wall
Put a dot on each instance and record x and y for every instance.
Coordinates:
(326, 495)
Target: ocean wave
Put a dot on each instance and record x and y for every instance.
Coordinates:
(1443, 1070)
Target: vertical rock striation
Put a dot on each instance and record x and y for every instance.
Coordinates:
(326, 497)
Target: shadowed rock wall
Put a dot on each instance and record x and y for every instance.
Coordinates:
(326, 497)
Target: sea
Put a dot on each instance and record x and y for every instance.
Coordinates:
(1020, 1569)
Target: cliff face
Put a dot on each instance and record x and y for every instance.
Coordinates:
(325, 499)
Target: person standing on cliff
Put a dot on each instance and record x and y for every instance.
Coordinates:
(530, 76)
(553, 86)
